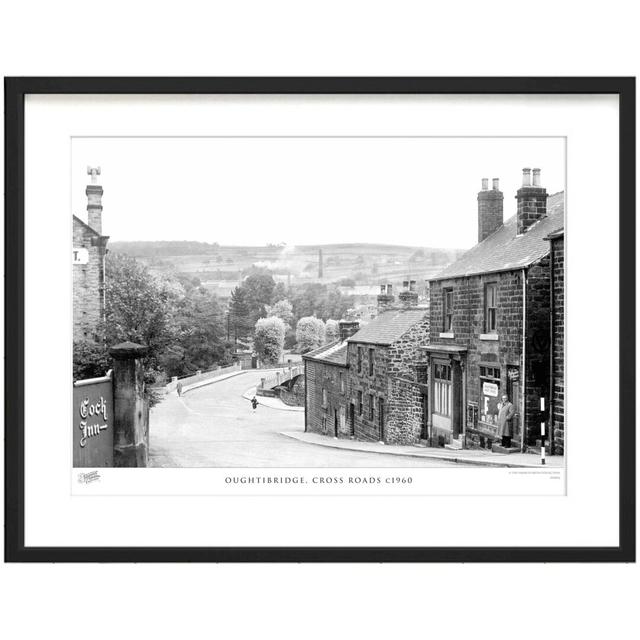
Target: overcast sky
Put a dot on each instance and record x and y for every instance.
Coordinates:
(253, 191)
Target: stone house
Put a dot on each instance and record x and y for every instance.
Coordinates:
(325, 383)
(490, 324)
(384, 390)
(88, 264)
(556, 409)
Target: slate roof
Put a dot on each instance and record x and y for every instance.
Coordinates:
(389, 326)
(334, 353)
(504, 251)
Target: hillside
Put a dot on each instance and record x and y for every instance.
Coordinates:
(221, 268)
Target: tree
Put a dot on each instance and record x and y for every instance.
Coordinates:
(90, 359)
(248, 301)
(310, 332)
(269, 339)
(139, 308)
(282, 309)
(332, 331)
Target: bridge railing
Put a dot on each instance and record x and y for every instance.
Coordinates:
(280, 377)
(201, 376)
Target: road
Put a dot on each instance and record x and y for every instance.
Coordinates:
(213, 426)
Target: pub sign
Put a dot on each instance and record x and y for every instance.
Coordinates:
(93, 423)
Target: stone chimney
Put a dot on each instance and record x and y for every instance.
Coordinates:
(348, 328)
(408, 296)
(94, 200)
(489, 209)
(532, 201)
(385, 297)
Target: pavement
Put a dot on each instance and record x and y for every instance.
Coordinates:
(272, 403)
(481, 457)
(214, 426)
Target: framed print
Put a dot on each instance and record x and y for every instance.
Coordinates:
(320, 319)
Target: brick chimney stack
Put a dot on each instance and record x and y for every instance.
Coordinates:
(532, 201)
(408, 296)
(94, 200)
(490, 209)
(385, 297)
(348, 328)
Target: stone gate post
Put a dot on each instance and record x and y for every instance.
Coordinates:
(130, 438)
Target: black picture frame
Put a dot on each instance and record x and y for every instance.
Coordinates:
(15, 91)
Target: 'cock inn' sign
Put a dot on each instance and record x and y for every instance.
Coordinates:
(93, 423)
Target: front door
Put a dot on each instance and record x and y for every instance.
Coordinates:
(442, 390)
(352, 419)
(335, 423)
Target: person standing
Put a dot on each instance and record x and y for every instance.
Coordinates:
(179, 388)
(506, 411)
(254, 403)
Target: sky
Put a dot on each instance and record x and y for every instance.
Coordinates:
(305, 190)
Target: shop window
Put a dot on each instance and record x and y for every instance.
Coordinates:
(447, 309)
(489, 395)
(490, 307)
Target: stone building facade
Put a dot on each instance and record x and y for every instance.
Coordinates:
(88, 257)
(490, 330)
(326, 387)
(557, 417)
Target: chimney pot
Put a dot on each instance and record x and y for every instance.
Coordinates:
(536, 177)
(485, 184)
(526, 177)
(496, 184)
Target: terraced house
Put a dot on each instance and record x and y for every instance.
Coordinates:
(491, 332)
(366, 385)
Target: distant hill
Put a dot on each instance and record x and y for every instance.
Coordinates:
(222, 267)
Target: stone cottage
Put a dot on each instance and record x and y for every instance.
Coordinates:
(383, 380)
(88, 260)
(491, 324)
(326, 396)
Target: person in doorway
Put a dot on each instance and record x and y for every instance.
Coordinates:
(179, 388)
(506, 411)
(254, 403)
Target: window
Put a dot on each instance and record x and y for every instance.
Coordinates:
(447, 310)
(490, 372)
(359, 359)
(341, 382)
(490, 307)
(372, 357)
(381, 415)
(359, 403)
(324, 398)
(442, 389)
(371, 407)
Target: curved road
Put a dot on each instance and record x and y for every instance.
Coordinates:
(213, 426)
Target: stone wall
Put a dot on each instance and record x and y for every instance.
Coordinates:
(394, 382)
(468, 330)
(376, 385)
(538, 345)
(320, 417)
(557, 248)
(88, 283)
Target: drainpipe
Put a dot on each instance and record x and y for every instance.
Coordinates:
(523, 430)
(306, 397)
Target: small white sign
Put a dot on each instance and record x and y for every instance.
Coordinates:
(490, 389)
(80, 256)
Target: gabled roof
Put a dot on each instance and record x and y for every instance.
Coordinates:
(84, 224)
(389, 326)
(334, 353)
(503, 250)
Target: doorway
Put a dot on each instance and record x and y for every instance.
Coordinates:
(352, 419)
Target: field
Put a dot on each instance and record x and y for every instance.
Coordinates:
(221, 268)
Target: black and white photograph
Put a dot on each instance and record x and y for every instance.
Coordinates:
(349, 302)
